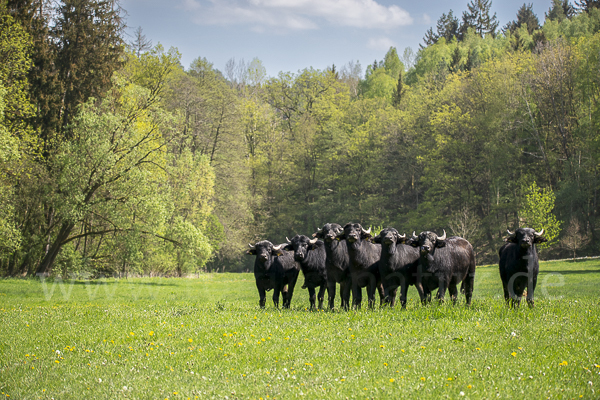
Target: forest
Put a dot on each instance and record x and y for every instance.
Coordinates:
(115, 159)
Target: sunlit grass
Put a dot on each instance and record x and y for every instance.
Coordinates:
(206, 338)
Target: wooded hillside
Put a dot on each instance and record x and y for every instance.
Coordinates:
(115, 159)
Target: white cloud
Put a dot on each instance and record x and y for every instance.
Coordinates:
(381, 43)
(297, 14)
(426, 19)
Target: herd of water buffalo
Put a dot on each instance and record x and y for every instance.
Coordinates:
(351, 257)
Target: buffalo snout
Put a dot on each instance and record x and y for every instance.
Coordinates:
(526, 243)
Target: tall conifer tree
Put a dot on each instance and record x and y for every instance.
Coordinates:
(89, 46)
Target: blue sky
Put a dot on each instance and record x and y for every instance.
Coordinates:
(290, 35)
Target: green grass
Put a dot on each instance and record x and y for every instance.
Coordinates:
(206, 338)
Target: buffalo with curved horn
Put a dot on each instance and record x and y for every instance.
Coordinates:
(311, 255)
(519, 264)
(364, 263)
(336, 263)
(444, 263)
(274, 269)
(397, 266)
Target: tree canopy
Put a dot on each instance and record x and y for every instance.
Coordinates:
(122, 161)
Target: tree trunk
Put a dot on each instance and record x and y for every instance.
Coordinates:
(48, 260)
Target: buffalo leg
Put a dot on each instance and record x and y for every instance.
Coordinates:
(262, 295)
(345, 289)
(321, 295)
(469, 283)
(356, 295)
(276, 293)
(530, 290)
(506, 294)
(291, 285)
(392, 297)
(371, 295)
(331, 293)
(284, 295)
(427, 295)
(382, 301)
(443, 285)
(403, 293)
(312, 297)
(371, 287)
(387, 293)
(453, 292)
(421, 292)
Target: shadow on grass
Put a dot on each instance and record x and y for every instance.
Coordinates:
(567, 272)
(119, 282)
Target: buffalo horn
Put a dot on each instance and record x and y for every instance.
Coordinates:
(511, 233)
(414, 234)
(539, 233)
(276, 248)
(251, 245)
(367, 232)
(442, 237)
(288, 240)
(313, 241)
(402, 236)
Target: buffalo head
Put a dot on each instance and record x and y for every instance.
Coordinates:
(427, 241)
(300, 245)
(265, 249)
(389, 237)
(354, 233)
(329, 232)
(526, 237)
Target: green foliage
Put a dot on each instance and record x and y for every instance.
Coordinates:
(379, 84)
(15, 56)
(560, 10)
(479, 19)
(536, 213)
(9, 154)
(88, 48)
(172, 171)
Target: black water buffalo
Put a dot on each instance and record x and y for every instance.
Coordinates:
(443, 264)
(337, 263)
(519, 264)
(274, 269)
(310, 254)
(397, 266)
(364, 263)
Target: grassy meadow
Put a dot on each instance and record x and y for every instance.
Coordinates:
(205, 337)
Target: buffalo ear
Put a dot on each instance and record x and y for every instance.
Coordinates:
(512, 239)
(377, 239)
(440, 243)
(366, 236)
(251, 252)
(412, 242)
(540, 239)
(278, 252)
(287, 247)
